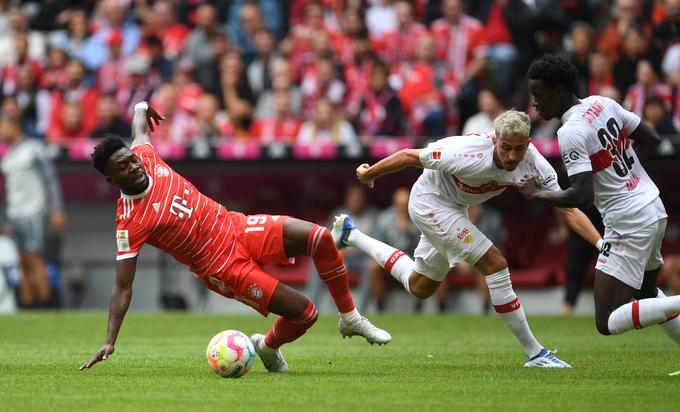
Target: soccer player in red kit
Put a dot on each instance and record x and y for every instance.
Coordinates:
(225, 249)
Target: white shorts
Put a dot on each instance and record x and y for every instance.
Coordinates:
(627, 257)
(448, 237)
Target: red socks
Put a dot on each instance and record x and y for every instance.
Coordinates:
(331, 267)
(287, 330)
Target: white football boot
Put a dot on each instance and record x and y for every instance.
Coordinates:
(271, 358)
(342, 226)
(546, 359)
(363, 327)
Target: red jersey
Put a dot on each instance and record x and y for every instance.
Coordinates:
(172, 215)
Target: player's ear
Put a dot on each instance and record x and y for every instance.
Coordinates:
(110, 181)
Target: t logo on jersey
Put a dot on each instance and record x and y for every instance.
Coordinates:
(178, 207)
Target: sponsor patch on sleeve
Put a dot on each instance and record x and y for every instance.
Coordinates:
(123, 240)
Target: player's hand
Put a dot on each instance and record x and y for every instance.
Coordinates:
(58, 220)
(102, 354)
(529, 186)
(153, 116)
(362, 170)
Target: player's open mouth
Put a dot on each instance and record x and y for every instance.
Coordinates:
(140, 179)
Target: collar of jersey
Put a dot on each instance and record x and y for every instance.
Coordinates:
(139, 195)
(566, 114)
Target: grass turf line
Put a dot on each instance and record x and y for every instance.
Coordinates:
(433, 363)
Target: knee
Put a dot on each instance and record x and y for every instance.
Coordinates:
(492, 262)
(422, 291)
(306, 314)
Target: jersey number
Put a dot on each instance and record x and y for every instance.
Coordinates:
(178, 206)
(611, 138)
(255, 223)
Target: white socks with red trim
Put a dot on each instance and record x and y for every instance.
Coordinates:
(644, 312)
(395, 262)
(670, 326)
(508, 307)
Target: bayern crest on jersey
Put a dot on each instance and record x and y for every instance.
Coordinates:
(162, 171)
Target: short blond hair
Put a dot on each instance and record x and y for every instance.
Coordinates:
(512, 122)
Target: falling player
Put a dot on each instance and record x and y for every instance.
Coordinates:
(595, 142)
(159, 207)
(461, 171)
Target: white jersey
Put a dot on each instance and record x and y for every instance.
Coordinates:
(460, 169)
(594, 138)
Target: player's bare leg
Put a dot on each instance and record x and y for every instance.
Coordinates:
(615, 313)
(26, 293)
(303, 238)
(39, 270)
(296, 315)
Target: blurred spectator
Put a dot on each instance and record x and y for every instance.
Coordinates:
(358, 73)
(297, 45)
(634, 50)
(358, 207)
(76, 92)
(161, 67)
(188, 90)
(109, 121)
(160, 20)
(490, 104)
(353, 25)
(205, 45)
(20, 59)
(380, 111)
(32, 195)
(282, 80)
(381, 18)
(507, 28)
(582, 39)
(237, 97)
(625, 14)
(647, 85)
(248, 17)
(177, 127)
(671, 273)
(282, 126)
(54, 73)
(656, 114)
(326, 127)
(210, 124)
(77, 32)
(462, 47)
(112, 13)
(19, 25)
(398, 45)
(321, 82)
(111, 73)
(71, 127)
(427, 90)
(394, 227)
(665, 34)
(136, 86)
(260, 70)
(34, 103)
(599, 73)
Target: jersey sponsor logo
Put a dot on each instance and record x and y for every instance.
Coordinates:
(123, 240)
(492, 186)
(572, 156)
(178, 206)
(162, 171)
(593, 112)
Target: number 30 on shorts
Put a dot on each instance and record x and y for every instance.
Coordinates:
(254, 223)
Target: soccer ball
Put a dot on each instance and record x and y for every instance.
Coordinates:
(230, 354)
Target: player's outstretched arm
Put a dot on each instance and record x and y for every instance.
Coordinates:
(579, 195)
(579, 223)
(143, 123)
(645, 140)
(120, 300)
(392, 163)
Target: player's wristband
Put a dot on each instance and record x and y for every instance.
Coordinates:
(142, 105)
(599, 244)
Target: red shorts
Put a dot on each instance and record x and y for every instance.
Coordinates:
(259, 241)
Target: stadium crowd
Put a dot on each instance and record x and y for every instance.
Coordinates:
(336, 71)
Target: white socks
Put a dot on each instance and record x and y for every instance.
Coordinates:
(508, 307)
(395, 262)
(352, 317)
(672, 326)
(644, 312)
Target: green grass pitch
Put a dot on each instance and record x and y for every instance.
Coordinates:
(447, 363)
